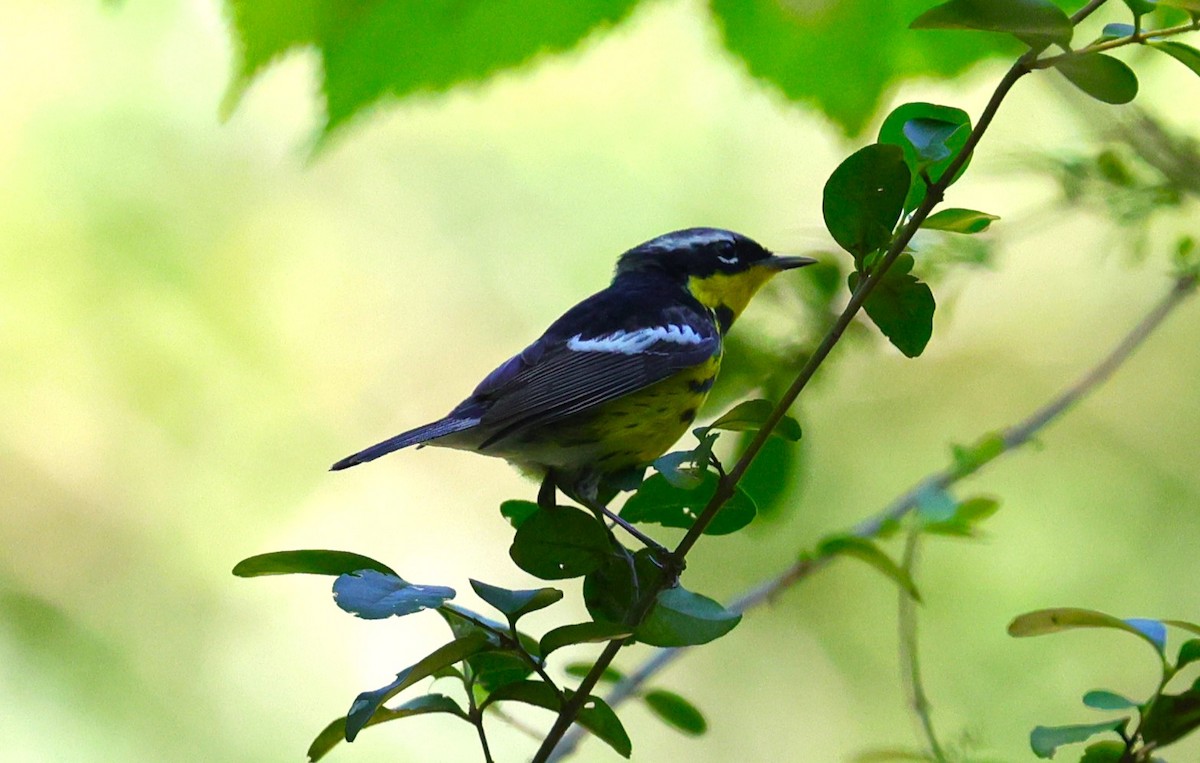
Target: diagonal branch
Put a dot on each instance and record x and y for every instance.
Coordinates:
(1011, 438)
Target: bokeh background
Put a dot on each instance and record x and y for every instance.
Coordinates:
(197, 317)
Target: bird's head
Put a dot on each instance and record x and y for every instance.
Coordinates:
(722, 269)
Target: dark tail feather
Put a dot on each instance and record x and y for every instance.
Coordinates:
(412, 437)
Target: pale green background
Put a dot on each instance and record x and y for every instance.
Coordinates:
(196, 319)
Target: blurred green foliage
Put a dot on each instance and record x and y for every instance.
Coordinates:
(195, 320)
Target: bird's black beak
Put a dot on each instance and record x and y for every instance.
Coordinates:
(776, 262)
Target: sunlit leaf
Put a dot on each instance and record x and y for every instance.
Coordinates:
(959, 221)
(1055, 620)
(312, 561)
(397, 48)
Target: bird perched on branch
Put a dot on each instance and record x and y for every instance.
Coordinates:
(614, 382)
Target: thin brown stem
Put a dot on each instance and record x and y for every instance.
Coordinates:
(1140, 38)
(910, 657)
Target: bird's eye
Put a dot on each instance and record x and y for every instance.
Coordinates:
(727, 253)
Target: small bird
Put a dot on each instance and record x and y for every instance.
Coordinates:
(614, 382)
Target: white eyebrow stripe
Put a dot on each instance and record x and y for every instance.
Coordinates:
(633, 342)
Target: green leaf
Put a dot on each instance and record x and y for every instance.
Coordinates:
(1046, 739)
(397, 48)
(367, 703)
(1171, 717)
(892, 132)
(864, 197)
(580, 669)
(559, 543)
(1059, 619)
(1184, 54)
(1140, 7)
(516, 512)
(795, 47)
(611, 592)
(1104, 752)
(335, 732)
(660, 502)
(902, 306)
(676, 711)
(1031, 21)
(751, 415)
(1189, 652)
(373, 595)
(682, 618)
(1102, 699)
(494, 669)
(1191, 6)
(770, 474)
(581, 633)
(966, 516)
(464, 622)
(596, 716)
(1183, 625)
(959, 221)
(312, 562)
(865, 550)
(969, 458)
(1101, 76)
(516, 604)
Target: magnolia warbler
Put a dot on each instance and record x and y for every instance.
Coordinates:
(615, 381)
